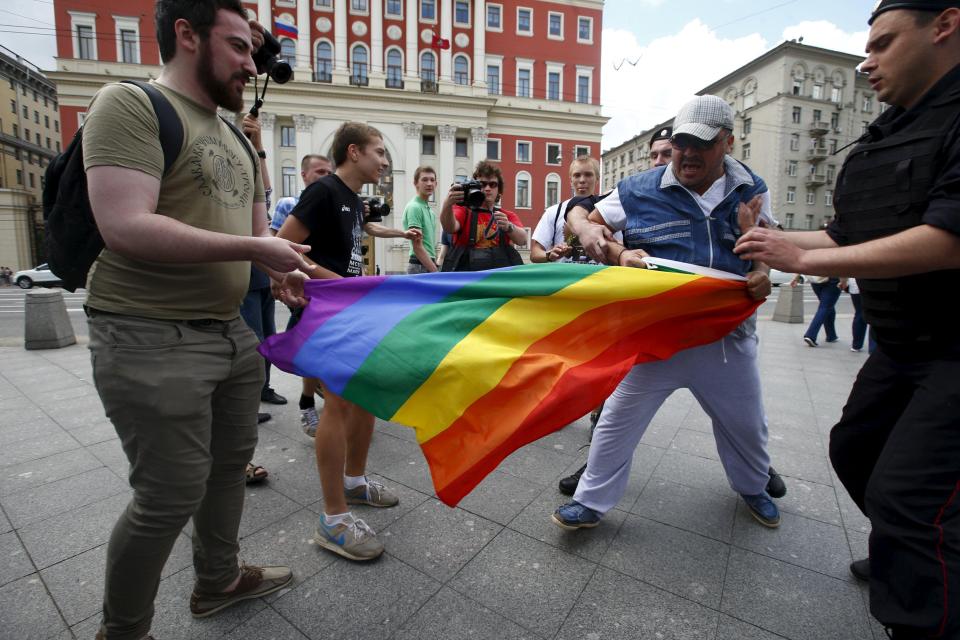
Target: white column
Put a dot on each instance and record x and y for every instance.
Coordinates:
(411, 152)
(263, 14)
(445, 154)
(479, 144)
(267, 121)
(340, 70)
(413, 36)
(446, 32)
(303, 68)
(304, 126)
(480, 45)
(376, 38)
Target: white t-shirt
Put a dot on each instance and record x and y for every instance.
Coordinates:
(549, 231)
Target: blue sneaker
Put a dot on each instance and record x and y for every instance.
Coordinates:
(763, 509)
(574, 515)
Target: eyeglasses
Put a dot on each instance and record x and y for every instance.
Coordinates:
(490, 183)
(684, 141)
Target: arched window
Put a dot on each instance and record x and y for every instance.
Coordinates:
(324, 66)
(288, 50)
(428, 66)
(358, 66)
(523, 190)
(461, 70)
(394, 69)
(552, 190)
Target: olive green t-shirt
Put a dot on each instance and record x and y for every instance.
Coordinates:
(212, 185)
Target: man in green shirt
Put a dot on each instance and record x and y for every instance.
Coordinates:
(418, 215)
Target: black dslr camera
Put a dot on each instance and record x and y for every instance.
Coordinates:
(473, 194)
(378, 209)
(268, 60)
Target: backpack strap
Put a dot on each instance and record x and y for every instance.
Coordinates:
(556, 218)
(171, 129)
(245, 144)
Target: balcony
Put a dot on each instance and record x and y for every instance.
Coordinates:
(323, 76)
(819, 128)
(394, 83)
(816, 180)
(429, 86)
(817, 154)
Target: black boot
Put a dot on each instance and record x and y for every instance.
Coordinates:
(861, 569)
(775, 486)
(569, 484)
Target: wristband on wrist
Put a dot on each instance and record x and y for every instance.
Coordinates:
(262, 154)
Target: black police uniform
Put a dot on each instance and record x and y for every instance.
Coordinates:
(897, 446)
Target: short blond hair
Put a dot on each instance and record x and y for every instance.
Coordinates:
(594, 164)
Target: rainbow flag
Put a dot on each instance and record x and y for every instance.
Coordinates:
(480, 364)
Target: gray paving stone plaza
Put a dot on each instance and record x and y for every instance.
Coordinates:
(679, 558)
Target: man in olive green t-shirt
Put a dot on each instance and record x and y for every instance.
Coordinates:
(418, 215)
(174, 364)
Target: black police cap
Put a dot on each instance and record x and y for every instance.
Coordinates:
(662, 134)
(912, 5)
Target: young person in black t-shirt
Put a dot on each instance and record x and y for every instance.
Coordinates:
(331, 215)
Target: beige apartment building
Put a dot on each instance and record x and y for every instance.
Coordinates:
(29, 139)
(799, 108)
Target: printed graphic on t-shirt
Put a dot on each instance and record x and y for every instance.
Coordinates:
(220, 173)
(487, 234)
(356, 251)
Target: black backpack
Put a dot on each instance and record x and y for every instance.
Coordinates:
(73, 241)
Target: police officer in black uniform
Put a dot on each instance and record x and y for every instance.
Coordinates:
(897, 230)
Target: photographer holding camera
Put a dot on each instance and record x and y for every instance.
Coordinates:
(483, 234)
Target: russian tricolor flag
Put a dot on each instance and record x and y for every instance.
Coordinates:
(284, 29)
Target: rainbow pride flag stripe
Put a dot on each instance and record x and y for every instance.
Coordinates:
(482, 363)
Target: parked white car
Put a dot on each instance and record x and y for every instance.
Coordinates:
(778, 277)
(40, 276)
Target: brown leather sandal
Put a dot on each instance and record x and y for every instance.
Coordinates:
(256, 473)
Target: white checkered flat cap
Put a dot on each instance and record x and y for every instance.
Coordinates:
(703, 117)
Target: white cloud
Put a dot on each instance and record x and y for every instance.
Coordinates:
(671, 69)
(821, 33)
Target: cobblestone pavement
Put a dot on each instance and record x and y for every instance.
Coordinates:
(679, 558)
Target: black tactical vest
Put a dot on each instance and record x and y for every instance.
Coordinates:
(883, 189)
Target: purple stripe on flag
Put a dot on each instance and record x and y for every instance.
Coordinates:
(326, 301)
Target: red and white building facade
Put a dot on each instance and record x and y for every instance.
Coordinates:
(519, 84)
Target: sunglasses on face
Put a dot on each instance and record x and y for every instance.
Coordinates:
(692, 142)
(493, 184)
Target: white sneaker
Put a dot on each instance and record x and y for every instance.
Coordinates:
(309, 420)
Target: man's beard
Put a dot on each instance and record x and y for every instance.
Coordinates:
(221, 93)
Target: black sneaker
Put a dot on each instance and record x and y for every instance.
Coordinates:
(262, 417)
(861, 569)
(569, 484)
(272, 397)
(775, 486)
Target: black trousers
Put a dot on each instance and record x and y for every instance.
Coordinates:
(896, 450)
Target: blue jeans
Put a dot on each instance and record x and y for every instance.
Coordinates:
(257, 311)
(859, 327)
(827, 293)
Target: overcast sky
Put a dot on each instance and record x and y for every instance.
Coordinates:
(665, 51)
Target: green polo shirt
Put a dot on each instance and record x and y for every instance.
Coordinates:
(418, 215)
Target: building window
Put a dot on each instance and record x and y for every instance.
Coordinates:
(864, 127)
(833, 145)
(554, 153)
(461, 70)
(19, 176)
(289, 182)
(581, 151)
(583, 88)
(358, 66)
(324, 66)
(817, 115)
(460, 147)
(795, 142)
(811, 197)
(747, 124)
(16, 129)
(494, 17)
(461, 12)
(493, 149)
(835, 95)
(585, 30)
(630, 156)
(493, 79)
(13, 107)
(553, 190)
(394, 9)
(288, 50)
(867, 104)
(524, 21)
(791, 195)
(428, 145)
(835, 121)
(746, 151)
(523, 190)
(359, 6)
(797, 113)
(46, 121)
(808, 221)
(828, 197)
(523, 83)
(523, 151)
(818, 92)
(56, 126)
(48, 143)
(553, 85)
(797, 87)
(26, 112)
(555, 26)
(428, 67)
(288, 137)
(831, 172)
(26, 134)
(788, 221)
(394, 69)
(86, 43)
(36, 117)
(792, 168)
(325, 4)
(428, 10)
(129, 46)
